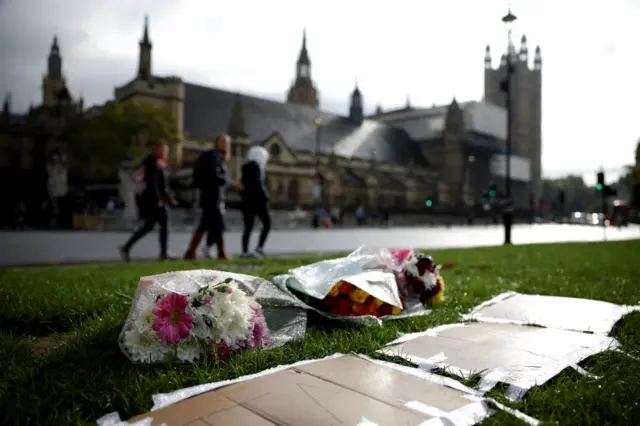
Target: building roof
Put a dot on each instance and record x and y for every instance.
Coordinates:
(428, 123)
(207, 112)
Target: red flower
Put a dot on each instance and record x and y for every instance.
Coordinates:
(346, 288)
(385, 309)
(342, 306)
(359, 309)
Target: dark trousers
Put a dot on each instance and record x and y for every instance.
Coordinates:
(249, 213)
(211, 223)
(159, 215)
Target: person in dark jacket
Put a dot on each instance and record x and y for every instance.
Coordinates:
(154, 201)
(255, 198)
(211, 180)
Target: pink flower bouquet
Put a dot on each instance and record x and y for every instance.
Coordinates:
(216, 320)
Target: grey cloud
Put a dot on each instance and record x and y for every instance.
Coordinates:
(28, 26)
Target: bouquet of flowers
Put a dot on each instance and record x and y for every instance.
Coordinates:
(214, 321)
(420, 276)
(345, 299)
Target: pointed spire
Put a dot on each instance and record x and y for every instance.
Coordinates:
(487, 57)
(524, 50)
(537, 59)
(236, 128)
(55, 48)
(145, 41)
(408, 103)
(303, 58)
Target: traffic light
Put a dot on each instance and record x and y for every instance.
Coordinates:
(429, 201)
(600, 181)
(484, 198)
(493, 190)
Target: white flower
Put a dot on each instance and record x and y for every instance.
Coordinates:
(189, 350)
(144, 347)
(232, 314)
(144, 321)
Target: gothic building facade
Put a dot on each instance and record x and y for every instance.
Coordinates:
(356, 160)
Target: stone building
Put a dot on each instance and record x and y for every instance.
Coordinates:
(29, 141)
(358, 160)
(526, 104)
(467, 139)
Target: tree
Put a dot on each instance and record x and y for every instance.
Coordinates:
(104, 137)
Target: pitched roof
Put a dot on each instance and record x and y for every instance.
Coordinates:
(207, 112)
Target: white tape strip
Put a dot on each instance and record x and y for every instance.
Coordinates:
(429, 410)
(491, 379)
(366, 422)
(426, 364)
(113, 419)
(430, 332)
(517, 414)
(468, 415)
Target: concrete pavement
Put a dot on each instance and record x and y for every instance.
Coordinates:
(57, 247)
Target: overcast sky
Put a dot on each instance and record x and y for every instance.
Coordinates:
(429, 51)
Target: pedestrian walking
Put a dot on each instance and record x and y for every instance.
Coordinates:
(154, 201)
(255, 199)
(210, 179)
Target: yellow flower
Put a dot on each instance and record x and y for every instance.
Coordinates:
(358, 296)
(378, 303)
(395, 310)
(439, 297)
(335, 290)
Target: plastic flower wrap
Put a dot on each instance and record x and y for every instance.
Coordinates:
(215, 320)
(345, 299)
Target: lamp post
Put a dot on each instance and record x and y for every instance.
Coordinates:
(507, 215)
(317, 187)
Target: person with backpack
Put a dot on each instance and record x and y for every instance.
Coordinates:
(210, 179)
(154, 200)
(255, 199)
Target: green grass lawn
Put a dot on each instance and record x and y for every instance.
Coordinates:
(60, 363)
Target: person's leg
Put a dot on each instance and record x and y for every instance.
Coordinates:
(147, 226)
(163, 221)
(196, 237)
(248, 217)
(265, 218)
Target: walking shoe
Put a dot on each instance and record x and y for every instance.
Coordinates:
(124, 254)
(260, 252)
(246, 255)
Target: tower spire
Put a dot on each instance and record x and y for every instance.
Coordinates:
(54, 62)
(303, 58)
(524, 50)
(537, 59)
(145, 34)
(487, 57)
(144, 59)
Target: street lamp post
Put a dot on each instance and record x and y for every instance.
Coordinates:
(507, 215)
(317, 189)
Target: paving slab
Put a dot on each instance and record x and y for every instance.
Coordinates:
(568, 313)
(340, 390)
(519, 356)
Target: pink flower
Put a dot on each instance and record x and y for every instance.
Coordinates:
(171, 322)
(229, 290)
(401, 256)
(207, 300)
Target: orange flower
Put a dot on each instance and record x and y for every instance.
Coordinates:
(373, 309)
(358, 296)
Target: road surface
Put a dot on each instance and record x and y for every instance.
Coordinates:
(57, 247)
